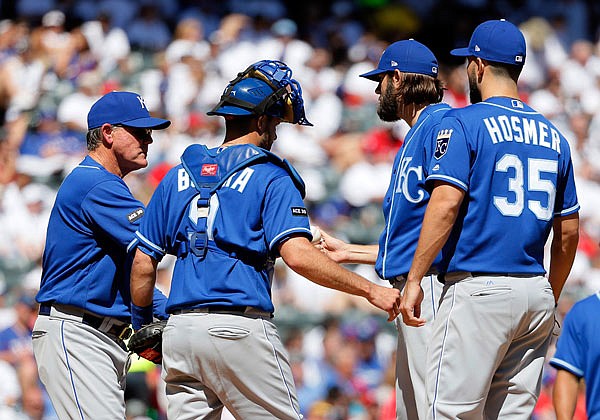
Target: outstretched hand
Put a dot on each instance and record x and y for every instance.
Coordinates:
(386, 298)
(332, 247)
(410, 306)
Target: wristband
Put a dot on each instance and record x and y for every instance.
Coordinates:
(140, 315)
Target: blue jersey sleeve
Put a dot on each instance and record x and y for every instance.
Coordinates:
(152, 232)
(566, 197)
(113, 210)
(284, 212)
(451, 157)
(571, 346)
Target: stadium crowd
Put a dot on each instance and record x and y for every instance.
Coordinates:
(58, 57)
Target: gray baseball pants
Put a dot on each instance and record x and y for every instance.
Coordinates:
(82, 368)
(215, 360)
(488, 345)
(411, 355)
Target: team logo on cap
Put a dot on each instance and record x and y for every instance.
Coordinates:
(142, 103)
(441, 146)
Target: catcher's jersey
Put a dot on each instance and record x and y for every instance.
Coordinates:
(516, 169)
(85, 262)
(578, 349)
(254, 211)
(406, 199)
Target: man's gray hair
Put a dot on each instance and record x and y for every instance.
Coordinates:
(94, 138)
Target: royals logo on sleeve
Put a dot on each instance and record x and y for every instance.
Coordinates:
(441, 146)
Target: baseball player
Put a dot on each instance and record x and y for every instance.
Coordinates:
(227, 213)
(502, 179)
(84, 294)
(408, 89)
(577, 357)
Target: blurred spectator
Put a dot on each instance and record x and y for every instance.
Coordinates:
(457, 86)
(22, 76)
(107, 42)
(578, 74)
(33, 10)
(50, 147)
(188, 41)
(52, 38)
(16, 351)
(284, 45)
(71, 112)
(122, 12)
(148, 32)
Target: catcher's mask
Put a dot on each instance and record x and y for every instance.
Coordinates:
(265, 87)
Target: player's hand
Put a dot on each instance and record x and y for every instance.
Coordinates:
(334, 248)
(410, 305)
(386, 298)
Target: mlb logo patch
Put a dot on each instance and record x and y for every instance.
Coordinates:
(441, 145)
(209, 169)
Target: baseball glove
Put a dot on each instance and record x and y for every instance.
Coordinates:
(147, 341)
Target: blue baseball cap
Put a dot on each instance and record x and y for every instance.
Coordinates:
(125, 108)
(496, 40)
(408, 56)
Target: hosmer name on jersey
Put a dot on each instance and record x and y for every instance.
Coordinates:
(522, 130)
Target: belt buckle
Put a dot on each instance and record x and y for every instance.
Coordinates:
(125, 333)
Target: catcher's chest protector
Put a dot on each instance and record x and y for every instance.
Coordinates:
(210, 168)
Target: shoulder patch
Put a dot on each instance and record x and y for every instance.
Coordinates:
(135, 215)
(299, 211)
(441, 146)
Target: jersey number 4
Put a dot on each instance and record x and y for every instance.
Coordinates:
(516, 185)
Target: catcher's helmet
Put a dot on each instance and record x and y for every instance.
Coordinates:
(265, 87)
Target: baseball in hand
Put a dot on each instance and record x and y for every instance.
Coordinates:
(316, 233)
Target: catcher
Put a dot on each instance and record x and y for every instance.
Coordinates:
(228, 213)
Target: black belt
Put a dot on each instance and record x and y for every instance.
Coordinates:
(442, 276)
(225, 309)
(121, 332)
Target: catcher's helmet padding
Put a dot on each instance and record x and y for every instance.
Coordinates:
(265, 87)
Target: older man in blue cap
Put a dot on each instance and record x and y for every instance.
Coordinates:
(408, 90)
(78, 339)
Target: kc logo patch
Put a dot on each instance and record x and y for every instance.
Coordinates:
(209, 169)
(441, 146)
(299, 211)
(135, 215)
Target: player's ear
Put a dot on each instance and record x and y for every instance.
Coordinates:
(396, 78)
(262, 124)
(107, 134)
(480, 64)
